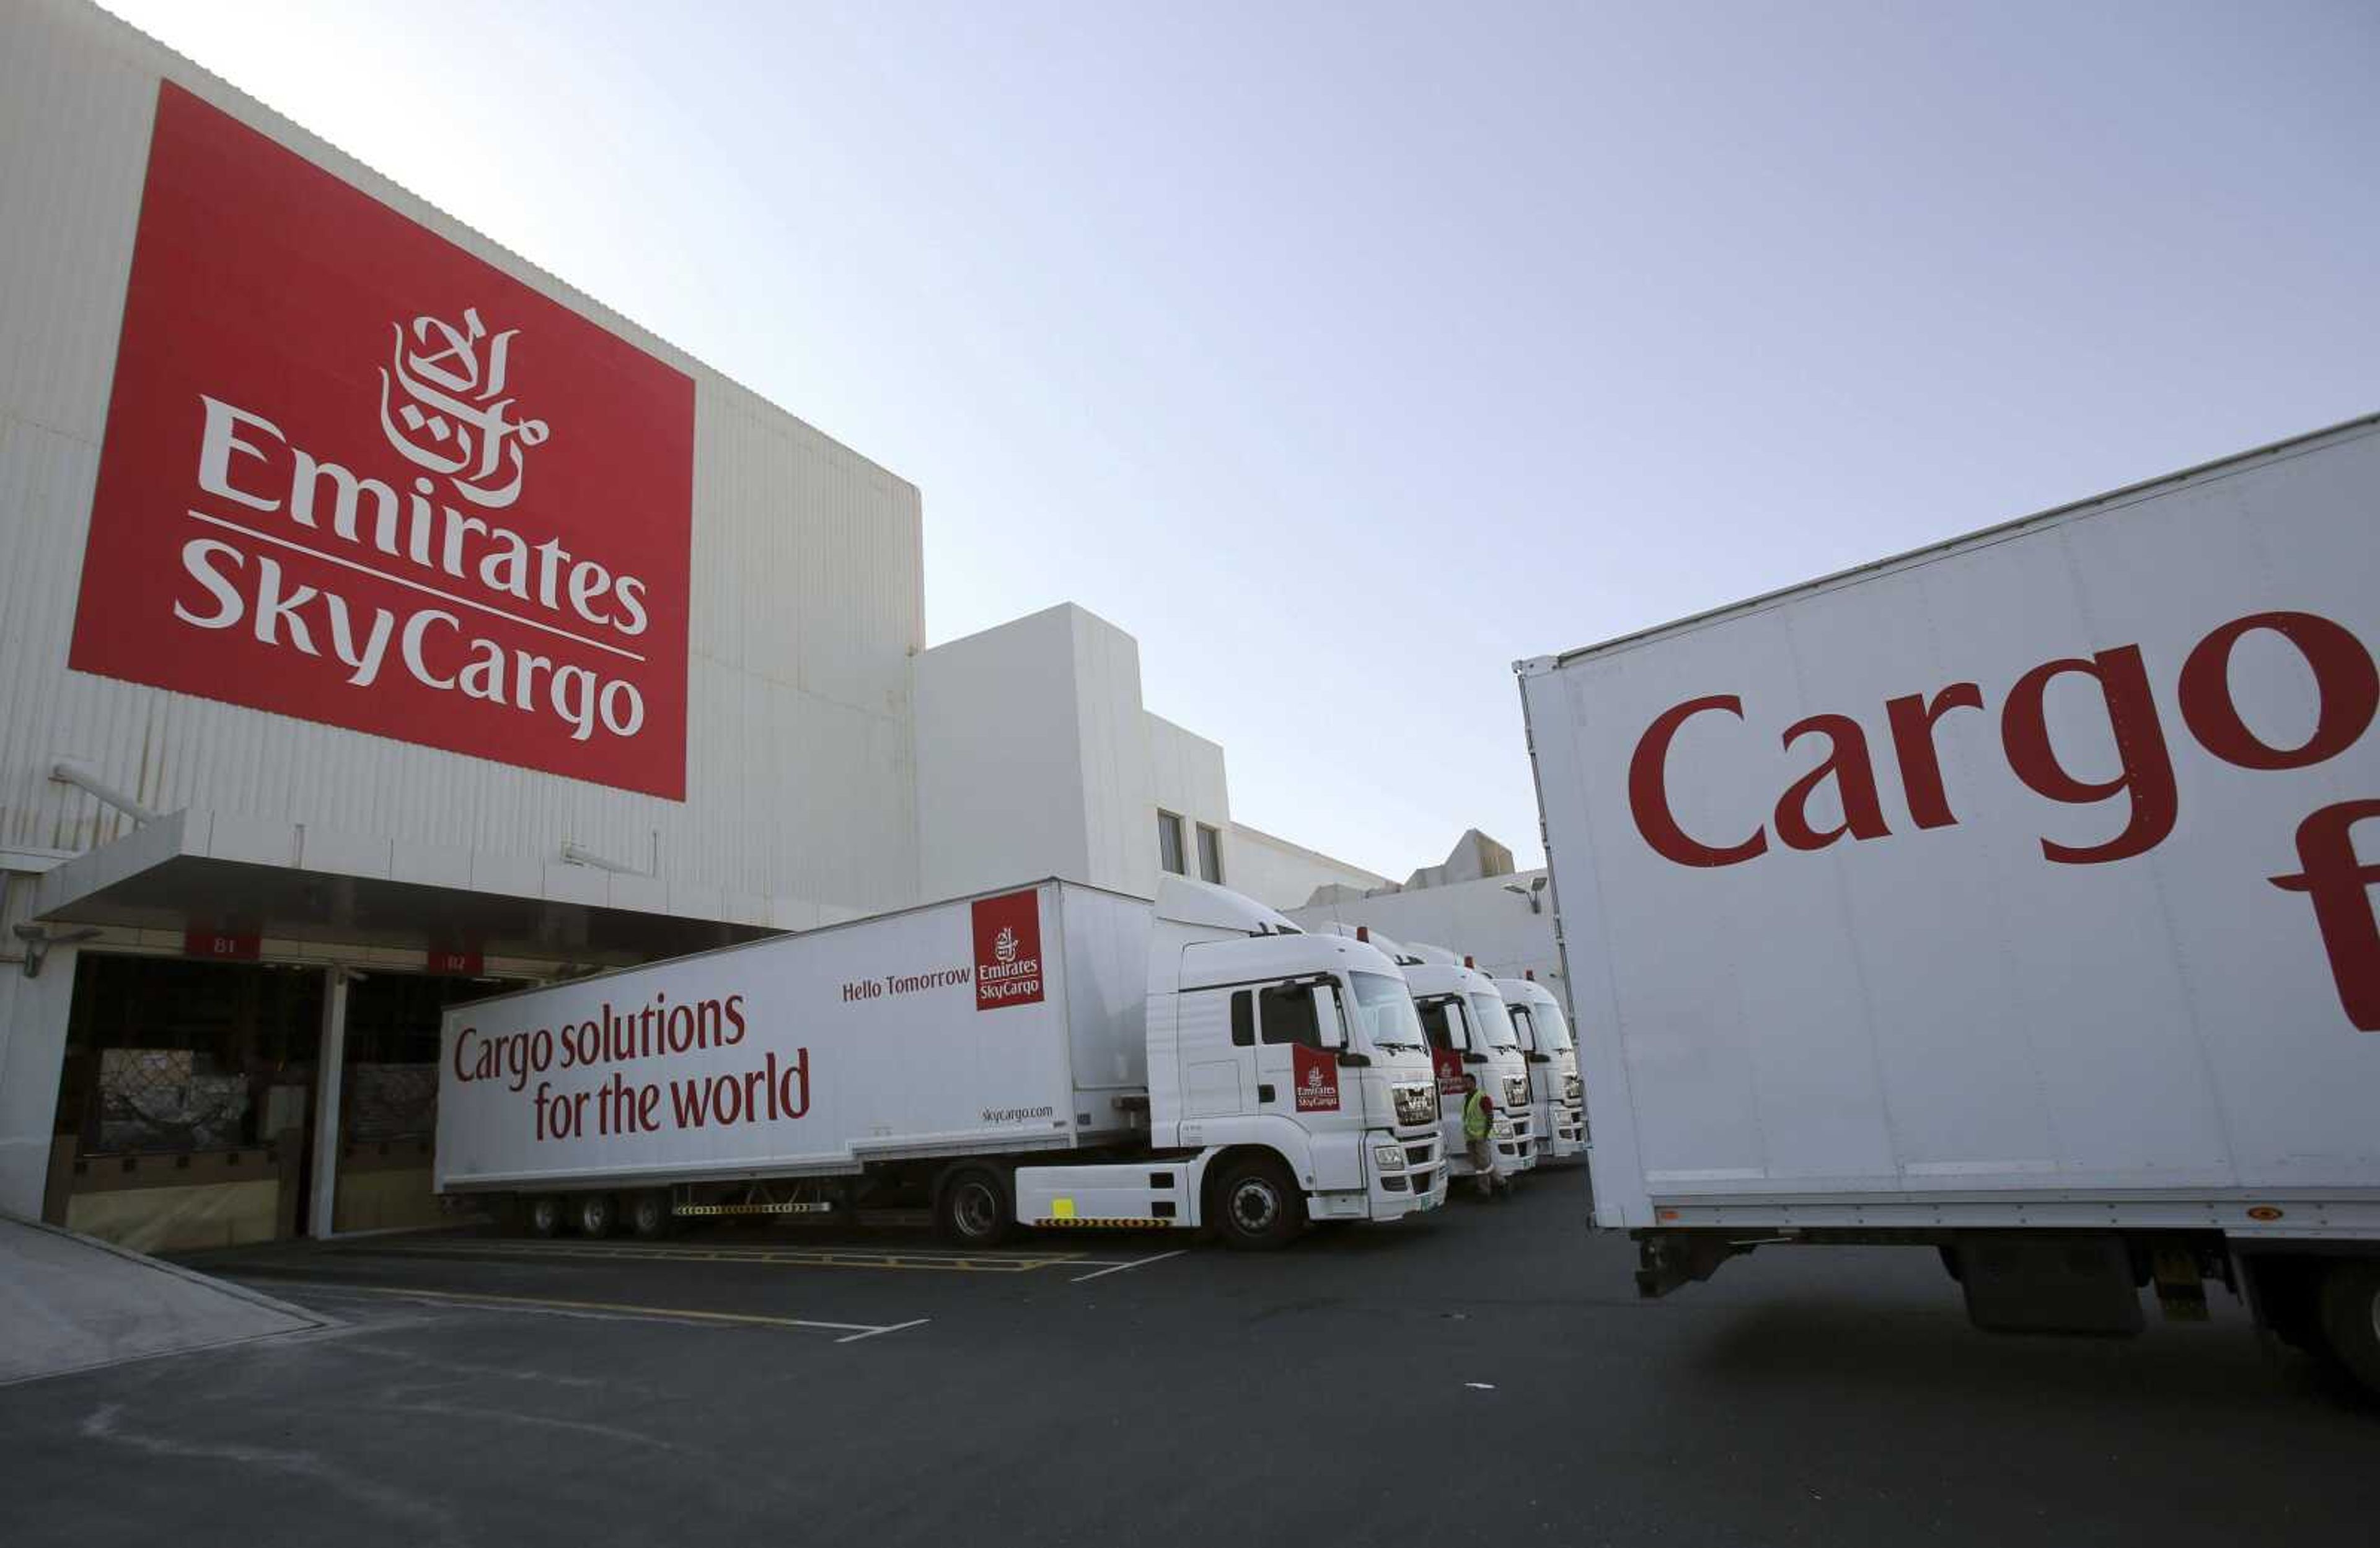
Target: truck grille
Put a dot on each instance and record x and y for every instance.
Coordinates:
(1516, 1091)
(1416, 1104)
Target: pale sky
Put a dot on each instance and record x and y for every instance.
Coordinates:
(1407, 341)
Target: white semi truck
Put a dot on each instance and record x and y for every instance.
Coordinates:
(1050, 1056)
(1462, 1015)
(2014, 897)
(1556, 1106)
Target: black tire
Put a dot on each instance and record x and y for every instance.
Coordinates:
(1257, 1206)
(593, 1215)
(973, 1209)
(648, 1214)
(540, 1216)
(2351, 1318)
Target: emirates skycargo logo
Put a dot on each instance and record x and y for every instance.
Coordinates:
(1317, 1070)
(315, 493)
(455, 421)
(1007, 950)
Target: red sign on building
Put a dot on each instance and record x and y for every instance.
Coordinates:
(1008, 951)
(354, 475)
(223, 945)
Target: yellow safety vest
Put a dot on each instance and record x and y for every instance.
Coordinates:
(1474, 1116)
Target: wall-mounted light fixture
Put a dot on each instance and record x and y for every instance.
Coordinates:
(100, 791)
(1530, 892)
(38, 942)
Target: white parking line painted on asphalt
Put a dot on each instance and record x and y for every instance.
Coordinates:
(1137, 1263)
(896, 1327)
(604, 1308)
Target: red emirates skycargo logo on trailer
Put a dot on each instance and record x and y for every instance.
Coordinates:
(1008, 951)
(354, 475)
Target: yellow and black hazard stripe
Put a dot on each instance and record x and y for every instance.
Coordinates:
(708, 1210)
(1105, 1223)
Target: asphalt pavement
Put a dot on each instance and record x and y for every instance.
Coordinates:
(1484, 1376)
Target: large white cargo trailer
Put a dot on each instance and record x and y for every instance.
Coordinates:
(1053, 1055)
(2014, 896)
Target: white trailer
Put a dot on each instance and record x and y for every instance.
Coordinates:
(1054, 1055)
(2005, 896)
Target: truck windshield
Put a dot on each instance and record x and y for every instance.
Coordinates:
(1488, 1011)
(1385, 1006)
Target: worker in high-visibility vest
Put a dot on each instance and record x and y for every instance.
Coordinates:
(1478, 1136)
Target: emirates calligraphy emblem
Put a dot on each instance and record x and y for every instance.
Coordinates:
(456, 420)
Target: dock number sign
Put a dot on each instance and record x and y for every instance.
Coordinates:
(354, 475)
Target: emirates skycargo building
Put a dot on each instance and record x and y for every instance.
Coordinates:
(382, 620)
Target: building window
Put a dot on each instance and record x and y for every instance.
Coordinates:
(1211, 854)
(1168, 843)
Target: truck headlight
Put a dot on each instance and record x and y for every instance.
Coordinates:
(1388, 1158)
(1503, 1128)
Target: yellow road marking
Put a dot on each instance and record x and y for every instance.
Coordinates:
(808, 1257)
(674, 1313)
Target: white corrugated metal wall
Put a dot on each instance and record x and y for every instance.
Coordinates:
(807, 594)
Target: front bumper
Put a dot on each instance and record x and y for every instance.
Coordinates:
(1420, 1187)
(1521, 1150)
(1562, 1131)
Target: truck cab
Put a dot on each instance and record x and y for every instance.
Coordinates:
(1289, 1080)
(1557, 1103)
(1463, 1016)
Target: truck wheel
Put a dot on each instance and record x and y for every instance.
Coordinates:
(1257, 1206)
(591, 1214)
(972, 1209)
(648, 1214)
(2350, 1319)
(541, 1216)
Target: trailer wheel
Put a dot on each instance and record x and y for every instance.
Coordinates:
(2351, 1318)
(972, 1210)
(541, 1216)
(591, 1214)
(648, 1214)
(1257, 1207)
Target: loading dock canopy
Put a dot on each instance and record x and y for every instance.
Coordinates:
(198, 870)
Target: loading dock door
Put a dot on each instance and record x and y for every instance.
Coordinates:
(182, 1101)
